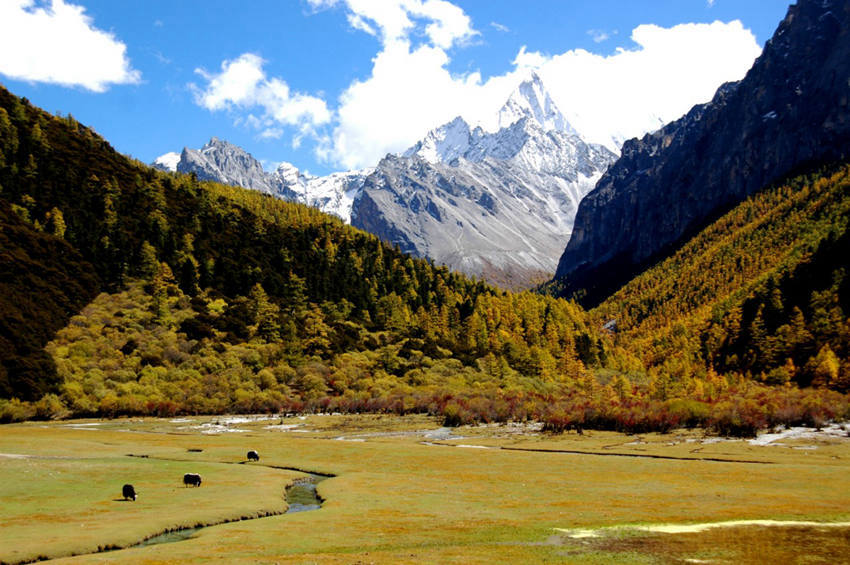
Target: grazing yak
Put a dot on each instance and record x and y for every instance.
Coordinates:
(193, 479)
(253, 456)
(129, 492)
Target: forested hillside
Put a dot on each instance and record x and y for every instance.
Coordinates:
(764, 292)
(129, 291)
(323, 284)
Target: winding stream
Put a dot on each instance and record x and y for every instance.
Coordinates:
(301, 496)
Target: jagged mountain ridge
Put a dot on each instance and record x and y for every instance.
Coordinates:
(492, 204)
(498, 208)
(790, 110)
(224, 162)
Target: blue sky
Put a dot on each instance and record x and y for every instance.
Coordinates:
(334, 84)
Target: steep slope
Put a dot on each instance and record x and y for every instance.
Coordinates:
(533, 101)
(790, 111)
(43, 281)
(762, 291)
(495, 205)
(224, 162)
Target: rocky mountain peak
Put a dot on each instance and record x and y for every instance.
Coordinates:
(445, 143)
(531, 99)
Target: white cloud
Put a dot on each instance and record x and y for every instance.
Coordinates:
(500, 27)
(59, 44)
(243, 84)
(411, 89)
(393, 20)
(626, 94)
(597, 35)
(357, 22)
(408, 93)
(636, 90)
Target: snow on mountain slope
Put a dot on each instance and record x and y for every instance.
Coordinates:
(333, 193)
(490, 204)
(167, 162)
(530, 99)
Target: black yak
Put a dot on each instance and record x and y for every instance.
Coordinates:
(129, 492)
(193, 479)
(253, 456)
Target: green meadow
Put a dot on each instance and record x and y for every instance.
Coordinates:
(404, 490)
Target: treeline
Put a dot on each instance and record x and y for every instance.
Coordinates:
(151, 350)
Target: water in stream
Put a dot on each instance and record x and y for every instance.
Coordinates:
(301, 496)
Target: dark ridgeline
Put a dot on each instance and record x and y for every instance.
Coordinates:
(789, 113)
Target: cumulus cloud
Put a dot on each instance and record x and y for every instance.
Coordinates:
(636, 90)
(393, 20)
(58, 43)
(242, 84)
(409, 92)
(606, 98)
(411, 89)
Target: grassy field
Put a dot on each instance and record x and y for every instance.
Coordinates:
(405, 491)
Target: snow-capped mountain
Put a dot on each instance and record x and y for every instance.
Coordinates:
(489, 204)
(167, 162)
(492, 204)
(532, 100)
(333, 193)
(224, 162)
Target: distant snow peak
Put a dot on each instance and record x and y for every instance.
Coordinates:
(443, 144)
(531, 99)
(528, 113)
(221, 161)
(289, 175)
(167, 162)
(490, 203)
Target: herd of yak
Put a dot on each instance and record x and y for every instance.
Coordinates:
(193, 479)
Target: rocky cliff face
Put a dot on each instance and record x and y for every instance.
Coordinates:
(789, 112)
(224, 162)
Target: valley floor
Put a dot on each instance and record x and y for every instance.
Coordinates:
(405, 490)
